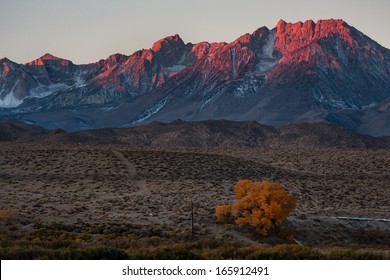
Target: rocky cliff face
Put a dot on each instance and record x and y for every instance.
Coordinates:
(115, 78)
(294, 72)
(15, 83)
(40, 78)
(341, 67)
(327, 71)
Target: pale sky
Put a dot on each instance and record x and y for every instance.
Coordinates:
(85, 31)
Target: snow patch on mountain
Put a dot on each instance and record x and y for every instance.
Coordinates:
(79, 81)
(248, 86)
(269, 47)
(10, 101)
(266, 60)
(233, 60)
(155, 108)
(42, 91)
(174, 68)
(373, 104)
(109, 108)
(205, 102)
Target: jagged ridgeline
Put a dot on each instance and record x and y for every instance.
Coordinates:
(324, 71)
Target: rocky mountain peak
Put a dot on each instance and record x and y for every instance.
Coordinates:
(168, 43)
(304, 41)
(114, 60)
(6, 66)
(322, 27)
(171, 51)
(201, 49)
(49, 58)
(261, 32)
(295, 35)
(5, 60)
(244, 39)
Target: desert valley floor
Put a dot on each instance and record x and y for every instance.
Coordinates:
(152, 189)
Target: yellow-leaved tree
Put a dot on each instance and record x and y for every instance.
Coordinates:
(259, 204)
(223, 213)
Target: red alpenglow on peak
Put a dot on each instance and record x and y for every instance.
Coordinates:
(319, 29)
(299, 41)
(49, 57)
(201, 49)
(168, 42)
(292, 36)
(244, 39)
(113, 60)
(6, 66)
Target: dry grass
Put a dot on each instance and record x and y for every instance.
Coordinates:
(75, 184)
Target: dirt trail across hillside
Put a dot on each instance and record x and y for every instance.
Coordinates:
(132, 172)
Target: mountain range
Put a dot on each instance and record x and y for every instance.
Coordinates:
(324, 71)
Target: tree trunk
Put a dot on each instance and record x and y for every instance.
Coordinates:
(275, 226)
